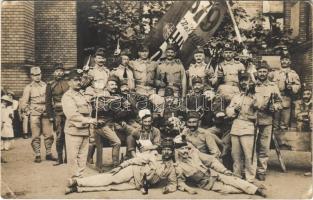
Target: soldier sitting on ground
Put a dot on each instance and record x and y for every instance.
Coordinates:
(303, 110)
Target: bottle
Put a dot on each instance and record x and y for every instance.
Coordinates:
(165, 79)
(122, 158)
(145, 183)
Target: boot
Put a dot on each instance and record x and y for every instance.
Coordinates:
(91, 152)
(260, 177)
(50, 157)
(69, 190)
(59, 161)
(260, 192)
(37, 159)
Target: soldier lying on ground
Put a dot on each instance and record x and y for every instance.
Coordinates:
(130, 174)
(207, 172)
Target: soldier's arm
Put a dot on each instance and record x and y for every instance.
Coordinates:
(25, 98)
(172, 182)
(181, 185)
(209, 76)
(135, 161)
(278, 101)
(212, 146)
(214, 79)
(158, 77)
(211, 162)
(298, 112)
(49, 103)
(183, 81)
(230, 110)
(296, 85)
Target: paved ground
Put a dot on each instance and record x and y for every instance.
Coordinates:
(30, 180)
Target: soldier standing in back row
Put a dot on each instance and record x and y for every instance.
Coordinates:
(34, 102)
(144, 72)
(54, 93)
(226, 74)
(288, 83)
(100, 71)
(171, 73)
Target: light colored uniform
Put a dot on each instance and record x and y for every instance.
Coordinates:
(230, 84)
(144, 74)
(242, 133)
(175, 74)
(203, 141)
(201, 70)
(131, 175)
(302, 109)
(208, 173)
(279, 77)
(77, 111)
(99, 73)
(33, 102)
(120, 71)
(263, 91)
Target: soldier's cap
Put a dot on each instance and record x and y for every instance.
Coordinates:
(285, 55)
(180, 141)
(35, 71)
(58, 66)
(167, 143)
(144, 114)
(123, 82)
(262, 64)
(306, 87)
(125, 52)
(196, 79)
(75, 74)
(143, 48)
(114, 78)
(229, 47)
(193, 114)
(199, 49)
(243, 75)
(220, 115)
(172, 46)
(100, 52)
(168, 91)
(7, 98)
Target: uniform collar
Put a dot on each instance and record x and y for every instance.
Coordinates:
(266, 82)
(41, 83)
(103, 68)
(199, 64)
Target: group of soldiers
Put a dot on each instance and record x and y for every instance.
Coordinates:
(213, 118)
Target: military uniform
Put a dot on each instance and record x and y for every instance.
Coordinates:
(77, 111)
(200, 70)
(99, 73)
(263, 92)
(174, 72)
(304, 115)
(280, 77)
(124, 73)
(33, 101)
(144, 74)
(54, 93)
(228, 85)
(242, 133)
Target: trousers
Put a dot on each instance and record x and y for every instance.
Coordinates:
(41, 125)
(242, 147)
(282, 118)
(232, 185)
(77, 150)
(60, 140)
(263, 147)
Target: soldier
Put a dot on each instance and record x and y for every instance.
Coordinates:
(268, 101)
(100, 71)
(54, 92)
(200, 138)
(146, 138)
(241, 108)
(77, 112)
(207, 172)
(171, 73)
(226, 74)
(33, 102)
(136, 173)
(144, 72)
(303, 110)
(200, 69)
(124, 71)
(288, 83)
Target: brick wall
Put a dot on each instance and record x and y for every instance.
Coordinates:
(55, 34)
(17, 43)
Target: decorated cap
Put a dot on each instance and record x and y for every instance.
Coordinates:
(196, 79)
(75, 73)
(285, 54)
(180, 141)
(168, 91)
(167, 143)
(7, 98)
(58, 66)
(144, 114)
(35, 71)
(306, 87)
(143, 48)
(199, 49)
(113, 78)
(172, 46)
(125, 52)
(243, 74)
(123, 82)
(100, 52)
(229, 47)
(262, 64)
(193, 114)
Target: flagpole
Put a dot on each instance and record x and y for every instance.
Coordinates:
(234, 22)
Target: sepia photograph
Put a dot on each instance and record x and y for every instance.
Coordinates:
(198, 99)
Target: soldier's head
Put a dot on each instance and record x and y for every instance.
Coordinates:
(193, 120)
(98, 84)
(229, 52)
(170, 52)
(167, 149)
(244, 80)
(199, 55)
(100, 57)
(285, 60)
(125, 57)
(197, 85)
(182, 147)
(112, 85)
(143, 52)
(58, 71)
(35, 74)
(124, 88)
(6, 100)
(306, 93)
(262, 70)
(75, 79)
(146, 119)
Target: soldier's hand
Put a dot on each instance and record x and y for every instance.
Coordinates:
(92, 121)
(100, 122)
(228, 173)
